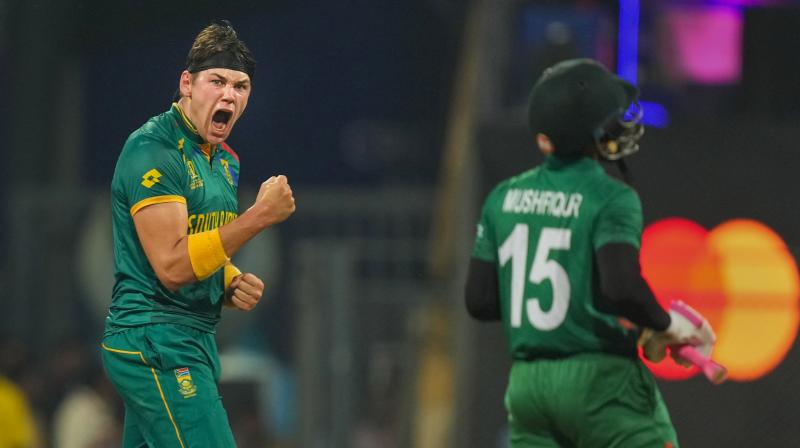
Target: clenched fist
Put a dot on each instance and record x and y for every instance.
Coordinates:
(244, 292)
(275, 201)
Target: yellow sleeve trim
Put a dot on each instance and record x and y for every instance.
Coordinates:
(206, 253)
(231, 271)
(156, 200)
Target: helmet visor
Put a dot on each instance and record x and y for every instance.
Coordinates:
(619, 137)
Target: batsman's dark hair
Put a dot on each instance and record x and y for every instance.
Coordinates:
(218, 45)
(220, 38)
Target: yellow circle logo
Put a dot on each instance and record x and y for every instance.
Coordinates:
(740, 276)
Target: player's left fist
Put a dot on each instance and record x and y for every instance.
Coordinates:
(246, 291)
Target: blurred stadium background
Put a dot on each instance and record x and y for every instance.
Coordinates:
(392, 120)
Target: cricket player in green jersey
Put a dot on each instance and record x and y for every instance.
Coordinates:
(175, 227)
(556, 258)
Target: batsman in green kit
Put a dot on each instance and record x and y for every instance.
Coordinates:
(175, 227)
(556, 259)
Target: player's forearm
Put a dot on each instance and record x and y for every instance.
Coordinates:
(640, 307)
(273, 205)
(238, 232)
(198, 256)
(191, 258)
(622, 284)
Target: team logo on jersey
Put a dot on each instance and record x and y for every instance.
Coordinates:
(185, 384)
(150, 178)
(226, 168)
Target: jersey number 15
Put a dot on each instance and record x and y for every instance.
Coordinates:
(515, 248)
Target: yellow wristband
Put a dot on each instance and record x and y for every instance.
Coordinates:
(206, 253)
(231, 271)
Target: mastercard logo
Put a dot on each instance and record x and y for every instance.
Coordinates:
(740, 276)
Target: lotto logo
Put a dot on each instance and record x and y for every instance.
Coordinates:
(740, 276)
(150, 178)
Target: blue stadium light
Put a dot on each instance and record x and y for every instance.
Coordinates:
(655, 114)
(628, 40)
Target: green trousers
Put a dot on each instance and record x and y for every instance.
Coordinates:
(587, 400)
(167, 376)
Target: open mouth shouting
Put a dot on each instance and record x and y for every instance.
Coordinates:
(220, 121)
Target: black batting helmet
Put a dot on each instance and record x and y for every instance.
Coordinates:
(579, 105)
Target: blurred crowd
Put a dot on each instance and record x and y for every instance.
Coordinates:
(63, 399)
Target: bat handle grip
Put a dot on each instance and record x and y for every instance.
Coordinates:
(716, 373)
(692, 316)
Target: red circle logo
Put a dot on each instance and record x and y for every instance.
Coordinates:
(740, 276)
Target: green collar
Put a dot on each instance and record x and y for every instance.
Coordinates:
(188, 129)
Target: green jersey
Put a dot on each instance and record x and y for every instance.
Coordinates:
(164, 161)
(541, 229)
